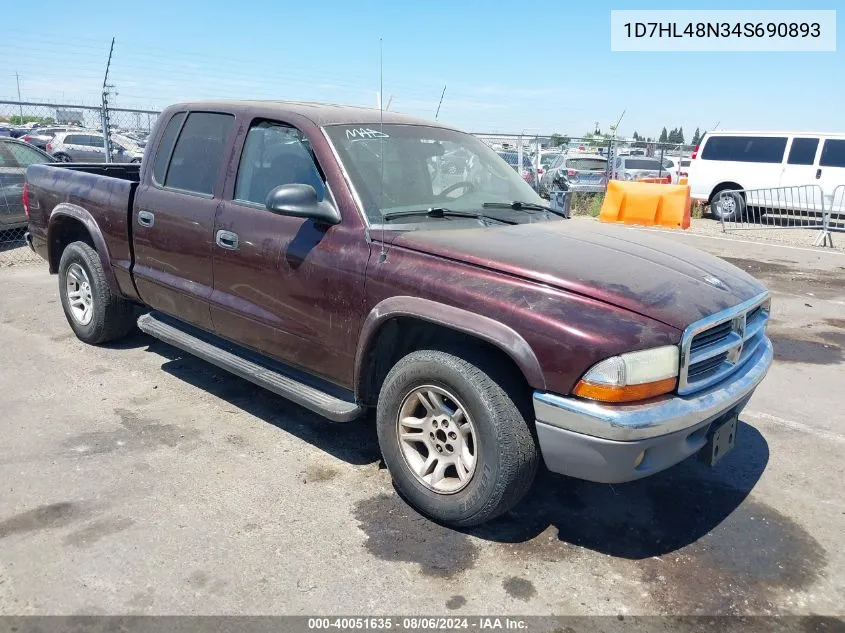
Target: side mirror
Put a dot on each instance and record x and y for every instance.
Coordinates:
(300, 201)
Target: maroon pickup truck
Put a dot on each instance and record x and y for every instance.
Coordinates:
(348, 259)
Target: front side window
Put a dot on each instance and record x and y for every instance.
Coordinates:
(803, 151)
(745, 149)
(401, 167)
(198, 152)
(275, 154)
(833, 153)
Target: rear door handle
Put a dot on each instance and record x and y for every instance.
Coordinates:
(227, 239)
(146, 218)
(818, 174)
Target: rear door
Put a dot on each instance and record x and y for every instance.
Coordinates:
(173, 215)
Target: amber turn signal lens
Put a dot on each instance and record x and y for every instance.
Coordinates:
(629, 393)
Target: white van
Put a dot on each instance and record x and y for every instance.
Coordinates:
(765, 160)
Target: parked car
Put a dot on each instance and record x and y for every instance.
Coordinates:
(766, 160)
(544, 161)
(15, 157)
(39, 137)
(529, 174)
(5, 130)
(85, 146)
(637, 167)
(584, 173)
(302, 247)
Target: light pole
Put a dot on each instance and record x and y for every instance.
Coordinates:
(20, 104)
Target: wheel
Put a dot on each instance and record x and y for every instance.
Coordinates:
(454, 441)
(93, 312)
(62, 158)
(727, 205)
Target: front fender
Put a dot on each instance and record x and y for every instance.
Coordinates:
(484, 328)
(67, 210)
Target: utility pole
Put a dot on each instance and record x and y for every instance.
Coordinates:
(104, 114)
(20, 104)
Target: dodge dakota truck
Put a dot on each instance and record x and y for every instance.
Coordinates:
(327, 254)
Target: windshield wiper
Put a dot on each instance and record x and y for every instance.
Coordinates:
(518, 205)
(442, 212)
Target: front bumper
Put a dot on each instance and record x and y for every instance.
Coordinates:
(600, 442)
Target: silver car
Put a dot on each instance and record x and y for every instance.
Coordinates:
(637, 167)
(87, 147)
(576, 172)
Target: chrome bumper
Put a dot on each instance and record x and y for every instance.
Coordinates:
(600, 442)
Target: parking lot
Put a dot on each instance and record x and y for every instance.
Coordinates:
(137, 479)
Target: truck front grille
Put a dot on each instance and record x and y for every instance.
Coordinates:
(715, 347)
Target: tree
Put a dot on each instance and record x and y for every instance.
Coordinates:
(559, 139)
(636, 136)
(680, 137)
(696, 138)
(663, 136)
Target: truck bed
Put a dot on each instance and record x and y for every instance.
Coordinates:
(96, 196)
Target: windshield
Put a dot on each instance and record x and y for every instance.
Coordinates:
(424, 167)
(587, 164)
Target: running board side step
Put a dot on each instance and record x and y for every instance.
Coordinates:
(329, 406)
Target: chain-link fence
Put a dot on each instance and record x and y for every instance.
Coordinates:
(63, 132)
(559, 167)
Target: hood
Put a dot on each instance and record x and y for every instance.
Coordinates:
(635, 270)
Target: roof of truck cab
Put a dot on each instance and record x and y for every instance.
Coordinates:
(318, 113)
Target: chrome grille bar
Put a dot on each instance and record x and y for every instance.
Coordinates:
(737, 343)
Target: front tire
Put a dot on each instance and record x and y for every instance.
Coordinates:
(94, 313)
(454, 441)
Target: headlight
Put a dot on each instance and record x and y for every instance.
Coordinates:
(630, 377)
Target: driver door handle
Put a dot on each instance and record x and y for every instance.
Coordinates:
(227, 240)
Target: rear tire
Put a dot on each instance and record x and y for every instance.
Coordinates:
(502, 452)
(62, 158)
(727, 205)
(94, 313)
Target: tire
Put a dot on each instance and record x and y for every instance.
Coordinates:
(110, 317)
(505, 453)
(62, 158)
(727, 205)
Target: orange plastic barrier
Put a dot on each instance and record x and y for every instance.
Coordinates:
(665, 180)
(646, 203)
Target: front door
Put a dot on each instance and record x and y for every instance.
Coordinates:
(173, 216)
(285, 286)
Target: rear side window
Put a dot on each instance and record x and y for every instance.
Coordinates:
(71, 139)
(198, 153)
(803, 151)
(165, 147)
(745, 149)
(25, 156)
(833, 153)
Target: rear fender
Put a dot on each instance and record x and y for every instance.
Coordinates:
(66, 210)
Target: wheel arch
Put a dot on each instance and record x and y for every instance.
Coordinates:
(722, 186)
(70, 223)
(382, 343)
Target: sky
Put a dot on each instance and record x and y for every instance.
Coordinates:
(510, 67)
